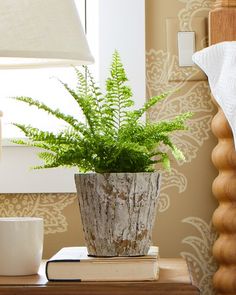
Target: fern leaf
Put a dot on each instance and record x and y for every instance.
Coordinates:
(135, 115)
(86, 103)
(78, 126)
(114, 139)
(35, 134)
(118, 96)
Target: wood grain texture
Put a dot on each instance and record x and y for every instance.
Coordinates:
(222, 20)
(222, 24)
(225, 3)
(118, 211)
(174, 280)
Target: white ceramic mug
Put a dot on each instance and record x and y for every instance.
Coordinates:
(21, 245)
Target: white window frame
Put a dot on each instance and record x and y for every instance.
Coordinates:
(121, 26)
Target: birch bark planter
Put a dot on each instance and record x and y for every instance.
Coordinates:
(118, 211)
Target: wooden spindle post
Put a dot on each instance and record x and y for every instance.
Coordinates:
(222, 27)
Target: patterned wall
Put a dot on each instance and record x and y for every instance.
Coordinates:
(183, 226)
(62, 224)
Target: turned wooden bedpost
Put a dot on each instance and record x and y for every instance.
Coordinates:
(222, 27)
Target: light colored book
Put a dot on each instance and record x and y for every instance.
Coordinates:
(74, 264)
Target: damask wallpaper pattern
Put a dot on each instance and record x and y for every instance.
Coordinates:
(48, 206)
(183, 226)
(186, 202)
(62, 225)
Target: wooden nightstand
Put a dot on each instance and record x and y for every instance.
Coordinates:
(174, 279)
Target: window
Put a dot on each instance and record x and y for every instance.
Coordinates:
(111, 24)
(43, 85)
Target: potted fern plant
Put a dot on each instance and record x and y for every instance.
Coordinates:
(116, 154)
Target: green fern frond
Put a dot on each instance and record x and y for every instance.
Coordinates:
(56, 113)
(36, 135)
(94, 91)
(41, 145)
(86, 104)
(49, 158)
(118, 94)
(177, 153)
(114, 139)
(135, 115)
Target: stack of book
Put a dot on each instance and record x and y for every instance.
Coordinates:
(74, 264)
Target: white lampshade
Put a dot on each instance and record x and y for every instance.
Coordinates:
(41, 33)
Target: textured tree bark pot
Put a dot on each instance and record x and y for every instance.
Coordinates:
(118, 211)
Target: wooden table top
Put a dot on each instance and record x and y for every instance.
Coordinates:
(174, 279)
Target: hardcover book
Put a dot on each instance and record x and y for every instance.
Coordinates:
(74, 264)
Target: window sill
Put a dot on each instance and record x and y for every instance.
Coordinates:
(7, 142)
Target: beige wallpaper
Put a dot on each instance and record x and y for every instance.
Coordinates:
(62, 225)
(183, 225)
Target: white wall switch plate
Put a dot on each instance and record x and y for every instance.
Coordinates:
(186, 48)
